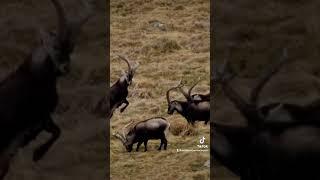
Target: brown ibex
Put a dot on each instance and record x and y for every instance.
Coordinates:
(153, 128)
(262, 150)
(29, 94)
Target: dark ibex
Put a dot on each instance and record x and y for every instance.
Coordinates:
(153, 128)
(192, 111)
(29, 95)
(262, 150)
(119, 90)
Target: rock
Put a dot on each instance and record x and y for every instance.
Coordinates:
(207, 164)
(159, 25)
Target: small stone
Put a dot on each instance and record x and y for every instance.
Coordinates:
(207, 164)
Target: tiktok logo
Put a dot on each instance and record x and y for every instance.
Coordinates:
(202, 145)
(202, 140)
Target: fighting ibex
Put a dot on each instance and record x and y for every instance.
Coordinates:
(153, 128)
(192, 111)
(119, 90)
(29, 95)
(262, 150)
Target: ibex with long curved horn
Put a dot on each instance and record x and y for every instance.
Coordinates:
(153, 128)
(190, 110)
(29, 94)
(119, 90)
(262, 150)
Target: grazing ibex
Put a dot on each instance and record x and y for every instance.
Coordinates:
(29, 95)
(119, 90)
(280, 142)
(153, 128)
(192, 111)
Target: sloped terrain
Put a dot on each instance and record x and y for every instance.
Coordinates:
(80, 151)
(170, 40)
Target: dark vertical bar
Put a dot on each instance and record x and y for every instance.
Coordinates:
(211, 83)
(107, 88)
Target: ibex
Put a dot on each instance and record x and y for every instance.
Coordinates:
(192, 111)
(153, 128)
(262, 150)
(119, 90)
(29, 95)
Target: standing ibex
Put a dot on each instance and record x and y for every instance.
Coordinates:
(192, 111)
(262, 150)
(29, 95)
(153, 128)
(119, 90)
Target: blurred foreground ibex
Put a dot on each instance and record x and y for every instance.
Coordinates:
(281, 141)
(29, 95)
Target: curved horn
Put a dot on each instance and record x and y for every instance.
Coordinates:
(127, 61)
(118, 136)
(183, 92)
(62, 20)
(123, 129)
(176, 87)
(190, 90)
(266, 77)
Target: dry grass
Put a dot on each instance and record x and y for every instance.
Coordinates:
(170, 40)
(256, 35)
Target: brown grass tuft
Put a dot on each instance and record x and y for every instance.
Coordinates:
(182, 129)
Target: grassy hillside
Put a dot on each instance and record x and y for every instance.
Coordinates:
(170, 40)
(80, 151)
(253, 34)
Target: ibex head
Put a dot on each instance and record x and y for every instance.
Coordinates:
(57, 46)
(173, 105)
(126, 138)
(128, 76)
